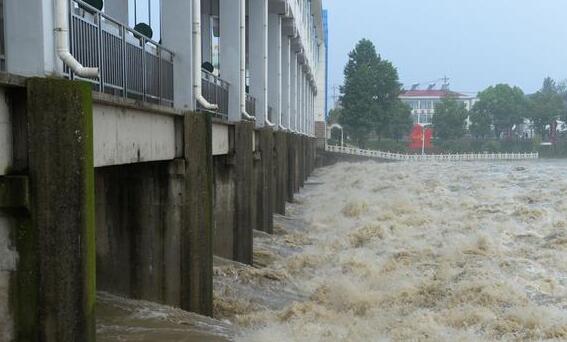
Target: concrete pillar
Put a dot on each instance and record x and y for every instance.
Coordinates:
(30, 48)
(258, 54)
(176, 34)
(264, 184)
(19, 277)
(275, 66)
(61, 174)
(243, 165)
(206, 31)
(291, 153)
(286, 79)
(197, 231)
(293, 91)
(225, 207)
(230, 54)
(280, 172)
(117, 9)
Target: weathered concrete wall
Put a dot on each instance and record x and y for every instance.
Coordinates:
(221, 143)
(243, 165)
(225, 207)
(61, 175)
(263, 181)
(280, 171)
(8, 258)
(124, 135)
(18, 263)
(197, 232)
(139, 211)
(6, 140)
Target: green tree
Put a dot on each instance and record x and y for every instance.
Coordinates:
(399, 123)
(449, 119)
(505, 105)
(546, 106)
(335, 115)
(481, 124)
(369, 94)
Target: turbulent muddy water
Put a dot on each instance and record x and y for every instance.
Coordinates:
(398, 252)
(418, 252)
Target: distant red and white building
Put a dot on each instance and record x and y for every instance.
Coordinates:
(422, 102)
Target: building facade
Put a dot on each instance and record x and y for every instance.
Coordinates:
(269, 56)
(422, 102)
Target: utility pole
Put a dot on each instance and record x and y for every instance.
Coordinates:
(336, 95)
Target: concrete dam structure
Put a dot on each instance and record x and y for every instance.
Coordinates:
(125, 167)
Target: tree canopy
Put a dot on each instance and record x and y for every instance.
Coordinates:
(370, 95)
(449, 119)
(546, 106)
(505, 105)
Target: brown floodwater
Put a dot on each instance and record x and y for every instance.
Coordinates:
(395, 252)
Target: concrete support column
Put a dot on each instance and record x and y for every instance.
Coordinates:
(300, 85)
(197, 232)
(243, 164)
(293, 91)
(230, 50)
(286, 81)
(264, 184)
(61, 174)
(280, 171)
(30, 49)
(206, 31)
(176, 34)
(225, 202)
(117, 9)
(258, 54)
(291, 153)
(275, 66)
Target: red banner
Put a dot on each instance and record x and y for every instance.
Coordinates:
(417, 138)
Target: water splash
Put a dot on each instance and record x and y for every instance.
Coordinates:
(421, 252)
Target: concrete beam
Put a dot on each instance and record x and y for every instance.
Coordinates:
(62, 202)
(197, 232)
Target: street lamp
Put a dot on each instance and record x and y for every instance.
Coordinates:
(342, 132)
(423, 127)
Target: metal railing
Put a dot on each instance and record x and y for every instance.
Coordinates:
(250, 105)
(431, 157)
(270, 114)
(131, 64)
(215, 90)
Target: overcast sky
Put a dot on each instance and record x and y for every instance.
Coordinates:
(476, 43)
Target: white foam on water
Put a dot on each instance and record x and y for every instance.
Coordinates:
(427, 252)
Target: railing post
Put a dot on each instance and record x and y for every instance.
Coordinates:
(124, 63)
(100, 53)
(144, 90)
(160, 95)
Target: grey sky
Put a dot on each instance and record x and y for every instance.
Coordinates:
(476, 43)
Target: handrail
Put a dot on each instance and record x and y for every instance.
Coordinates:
(131, 64)
(431, 157)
